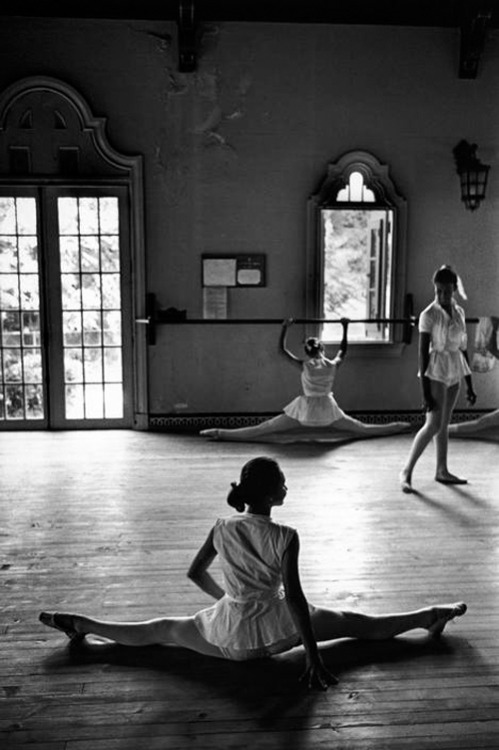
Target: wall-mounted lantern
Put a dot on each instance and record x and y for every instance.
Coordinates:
(472, 174)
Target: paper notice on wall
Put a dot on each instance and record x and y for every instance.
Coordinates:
(215, 302)
(219, 272)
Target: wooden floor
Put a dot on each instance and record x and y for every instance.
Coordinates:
(107, 523)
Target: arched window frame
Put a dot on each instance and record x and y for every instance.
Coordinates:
(376, 178)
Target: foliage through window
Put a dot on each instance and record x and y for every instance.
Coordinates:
(356, 256)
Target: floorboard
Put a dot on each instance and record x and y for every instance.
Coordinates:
(108, 522)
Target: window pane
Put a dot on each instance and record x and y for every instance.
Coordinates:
(26, 216)
(71, 326)
(9, 291)
(73, 365)
(14, 402)
(112, 327)
(112, 365)
(71, 291)
(68, 215)
(70, 254)
(74, 402)
(7, 216)
(111, 296)
(94, 401)
(11, 328)
(113, 399)
(12, 365)
(8, 255)
(32, 360)
(90, 254)
(89, 216)
(93, 365)
(110, 252)
(91, 292)
(34, 401)
(109, 215)
(30, 299)
(92, 328)
(28, 255)
(31, 329)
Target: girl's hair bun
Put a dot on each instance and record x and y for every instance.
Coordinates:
(234, 498)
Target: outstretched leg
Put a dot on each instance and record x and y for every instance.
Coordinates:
(330, 624)
(168, 631)
(433, 423)
(255, 433)
(462, 429)
(361, 429)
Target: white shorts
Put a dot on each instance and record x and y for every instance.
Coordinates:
(245, 654)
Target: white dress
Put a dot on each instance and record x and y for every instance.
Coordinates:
(316, 407)
(253, 613)
(448, 340)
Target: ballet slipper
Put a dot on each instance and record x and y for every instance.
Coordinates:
(455, 610)
(212, 433)
(62, 622)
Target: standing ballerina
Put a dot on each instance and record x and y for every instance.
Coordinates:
(261, 609)
(443, 363)
(316, 407)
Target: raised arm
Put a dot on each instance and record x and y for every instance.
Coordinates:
(283, 343)
(342, 351)
(493, 348)
(316, 673)
(198, 570)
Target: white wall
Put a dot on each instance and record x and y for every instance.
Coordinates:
(232, 153)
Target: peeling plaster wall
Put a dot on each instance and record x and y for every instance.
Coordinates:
(231, 154)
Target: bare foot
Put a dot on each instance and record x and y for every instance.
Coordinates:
(405, 483)
(445, 477)
(443, 614)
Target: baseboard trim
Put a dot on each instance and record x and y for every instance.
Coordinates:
(195, 422)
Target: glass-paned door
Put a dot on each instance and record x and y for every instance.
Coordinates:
(21, 371)
(65, 306)
(91, 307)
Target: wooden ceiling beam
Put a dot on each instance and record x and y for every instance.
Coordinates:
(475, 24)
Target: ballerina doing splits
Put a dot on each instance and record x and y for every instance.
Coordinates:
(317, 407)
(478, 427)
(261, 609)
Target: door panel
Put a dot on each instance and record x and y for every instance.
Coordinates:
(22, 395)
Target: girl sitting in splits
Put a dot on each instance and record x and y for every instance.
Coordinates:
(490, 421)
(261, 610)
(317, 406)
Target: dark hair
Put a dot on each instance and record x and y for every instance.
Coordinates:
(259, 478)
(313, 345)
(445, 275)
